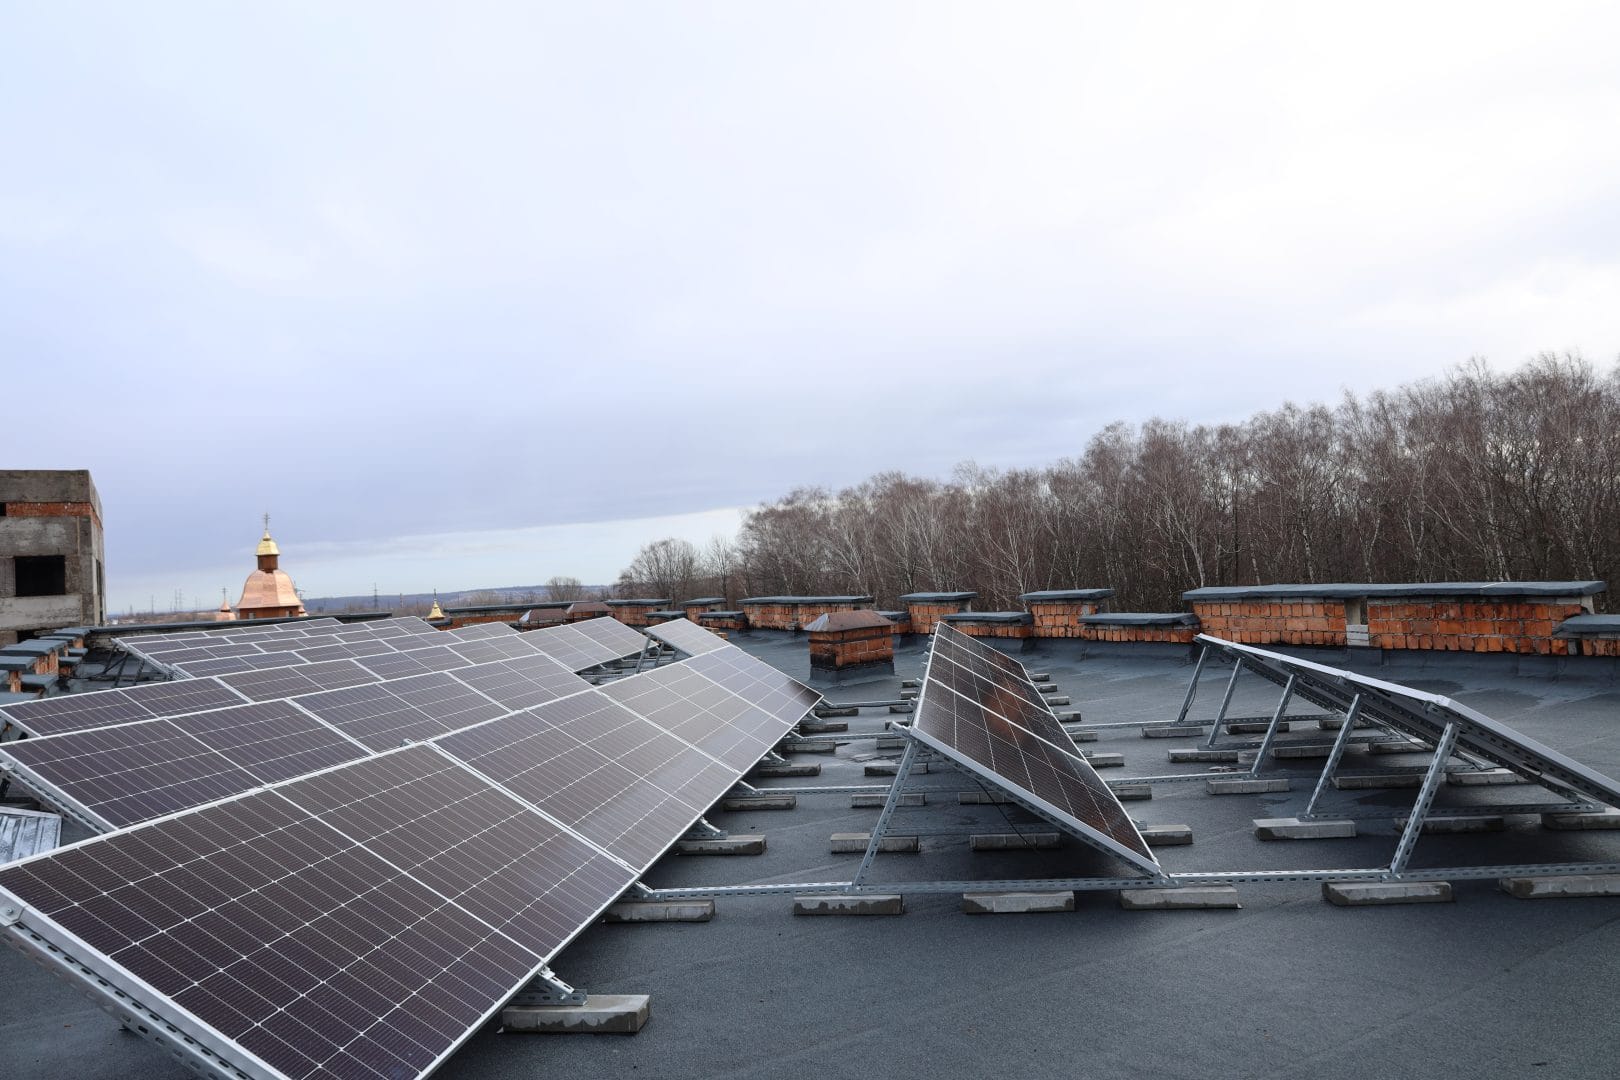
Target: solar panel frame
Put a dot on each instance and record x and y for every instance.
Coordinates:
(686, 636)
(961, 729)
(286, 840)
(599, 769)
(1413, 712)
(54, 715)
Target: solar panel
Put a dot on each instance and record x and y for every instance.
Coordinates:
(618, 780)
(358, 923)
(687, 636)
(576, 650)
(101, 708)
(966, 726)
(1425, 716)
(696, 709)
(272, 741)
(519, 684)
(134, 772)
(286, 682)
(755, 681)
(613, 636)
(478, 631)
(382, 715)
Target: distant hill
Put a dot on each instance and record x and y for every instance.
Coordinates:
(411, 602)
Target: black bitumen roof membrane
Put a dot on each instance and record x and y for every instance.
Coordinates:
(1287, 987)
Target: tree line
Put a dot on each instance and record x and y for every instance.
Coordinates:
(1476, 475)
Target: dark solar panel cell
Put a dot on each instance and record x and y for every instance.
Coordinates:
(373, 715)
(134, 772)
(274, 741)
(395, 665)
(687, 636)
(618, 780)
(958, 714)
(504, 863)
(312, 953)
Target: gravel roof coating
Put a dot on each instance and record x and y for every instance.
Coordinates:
(1289, 986)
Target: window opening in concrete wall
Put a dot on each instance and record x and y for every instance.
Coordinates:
(41, 575)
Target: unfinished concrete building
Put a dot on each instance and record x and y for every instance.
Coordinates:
(51, 552)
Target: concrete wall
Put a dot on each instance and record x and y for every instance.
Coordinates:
(51, 512)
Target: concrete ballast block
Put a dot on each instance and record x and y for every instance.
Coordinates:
(1388, 780)
(1242, 785)
(1173, 731)
(1132, 792)
(1301, 751)
(1016, 903)
(602, 1014)
(1191, 898)
(981, 798)
(876, 800)
(854, 843)
(836, 710)
(810, 746)
(1253, 727)
(1166, 835)
(1601, 819)
(1292, 828)
(1103, 761)
(759, 802)
(1058, 699)
(651, 911)
(1081, 735)
(822, 727)
(1378, 893)
(735, 844)
(1204, 755)
(1397, 746)
(779, 771)
(891, 742)
(866, 904)
(1572, 885)
(1484, 778)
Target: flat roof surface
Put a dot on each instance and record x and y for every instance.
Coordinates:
(1289, 986)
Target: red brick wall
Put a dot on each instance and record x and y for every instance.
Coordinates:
(1176, 635)
(13, 681)
(1594, 646)
(694, 610)
(736, 623)
(924, 616)
(458, 621)
(995, 629)
(53, 509)
(837, 649)
(1060, 618)
(1260, 622)
(790, 616)
(1523, 626)
(630, 616)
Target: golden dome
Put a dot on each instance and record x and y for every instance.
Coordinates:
(435, 613)
(267, 546)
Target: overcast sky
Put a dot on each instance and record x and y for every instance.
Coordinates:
(466, 294)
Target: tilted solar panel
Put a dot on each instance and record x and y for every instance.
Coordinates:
(615, 638)
(362, 922)
(700, 711)
(286, 682)
(101, 708)
(616, 779)
(1425, 716)
(687, 637)
(1041, 772)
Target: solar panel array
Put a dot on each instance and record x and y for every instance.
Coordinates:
(686, 636)
(229, 651)
(980, 709)
(1425, 716)
(362, 921)
(115, 757)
